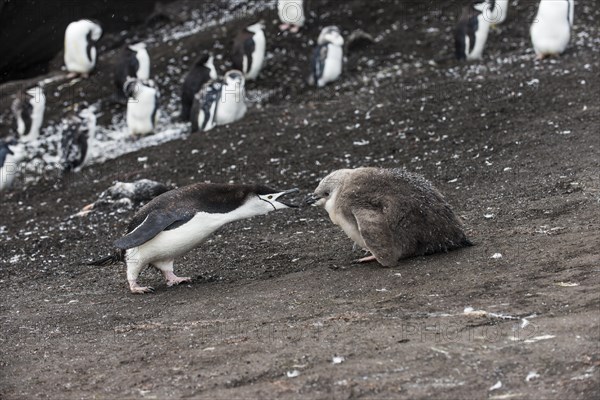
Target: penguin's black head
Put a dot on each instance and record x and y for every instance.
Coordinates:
(203, 59)
(275, 197)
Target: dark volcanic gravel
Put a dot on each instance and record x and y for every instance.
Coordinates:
(512, 143)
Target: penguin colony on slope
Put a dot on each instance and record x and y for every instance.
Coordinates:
(208, 101)
(392, 214)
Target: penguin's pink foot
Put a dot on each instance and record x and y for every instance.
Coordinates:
(72, 75)
(284, 27)
(294, 29)
(137, 289)
(365, 260)
(173, 279)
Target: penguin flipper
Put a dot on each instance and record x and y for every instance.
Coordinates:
(153, 224)
(319, 57)
(378, 237)
(471, 30)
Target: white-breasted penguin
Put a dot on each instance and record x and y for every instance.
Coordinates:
(328, 57)
(11, 154)
(291, 14)
(28, 109)
(78, 138)
(249, 49)
(142, 106)
(134, 62)
(202, 71)
(392, 213)
(551, 28)
(219, 102)
(179, 220)
(472, 30)
(80, 46)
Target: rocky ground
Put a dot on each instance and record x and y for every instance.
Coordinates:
(276, 309)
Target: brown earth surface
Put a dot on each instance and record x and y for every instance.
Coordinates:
(512, 143)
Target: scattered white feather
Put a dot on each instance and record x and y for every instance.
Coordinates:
(531, 376)
(293, 374)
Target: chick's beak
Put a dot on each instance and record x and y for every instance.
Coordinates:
(311, 199)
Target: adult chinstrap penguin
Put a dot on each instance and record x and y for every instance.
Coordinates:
(179, 220)
(551, 30)
(142, 105)
(328, 57)
(219, 102)
(291, 15)
(392, 213)
(28, 109)
(249, 49)
(202, 71)
(80, 46)
(77, 139)
(134, 62)
(472, 30)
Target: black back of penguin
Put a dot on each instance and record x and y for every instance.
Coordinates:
(126, 67)
(243, 45)
(194, 80)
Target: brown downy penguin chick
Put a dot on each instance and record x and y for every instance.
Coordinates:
(392, 213)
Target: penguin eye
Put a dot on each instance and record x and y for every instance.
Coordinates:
(326, 194)
(270, 197)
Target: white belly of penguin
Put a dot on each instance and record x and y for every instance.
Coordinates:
(173, 243)
(231, 107)
(551, 33)
(258, 56)
(348, 227)
(333, 65)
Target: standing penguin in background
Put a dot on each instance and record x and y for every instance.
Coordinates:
(219, 102)
(78, 138)
(291, 14)
(80, 46)
(11, 154)
(392, 213)
(472, 30)
(551, 29)
(142, 106)
(134, 62)
(28, 109)
(249, 49)
(202, 71)
(179, 220)
(328, 57)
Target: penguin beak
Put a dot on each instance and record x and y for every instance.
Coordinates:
(278, 196)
